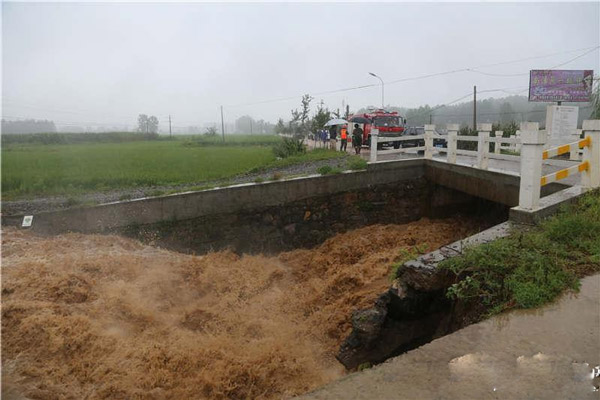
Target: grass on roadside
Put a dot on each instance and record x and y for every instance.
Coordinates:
(314, 155)
(528, 269)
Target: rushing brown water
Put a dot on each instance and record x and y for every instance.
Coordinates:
(91, 316)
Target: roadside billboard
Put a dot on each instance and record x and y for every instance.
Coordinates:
(560, 85)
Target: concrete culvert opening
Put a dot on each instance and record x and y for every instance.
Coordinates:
(110, 317)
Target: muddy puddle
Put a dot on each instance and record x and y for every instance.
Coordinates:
(91, 316)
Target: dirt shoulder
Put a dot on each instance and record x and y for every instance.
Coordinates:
(54, 203)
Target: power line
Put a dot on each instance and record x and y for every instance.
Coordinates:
(527, 74)
(471, 69)
(419, 77)
(503, 113)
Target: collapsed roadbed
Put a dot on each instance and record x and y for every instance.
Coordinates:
(415, 309)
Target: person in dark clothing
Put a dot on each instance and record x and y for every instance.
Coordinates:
(332, 137)
(357, 137)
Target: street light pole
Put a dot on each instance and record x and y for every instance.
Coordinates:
(382, 102)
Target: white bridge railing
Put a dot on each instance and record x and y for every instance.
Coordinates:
(528, 147)
(533, 155)
(483, 140)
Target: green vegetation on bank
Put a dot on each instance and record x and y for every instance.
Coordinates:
(288, 147)
(528, 269)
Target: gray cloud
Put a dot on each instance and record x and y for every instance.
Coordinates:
(105, 63)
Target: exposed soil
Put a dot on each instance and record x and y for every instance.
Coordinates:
(92, 316)
(54, 203)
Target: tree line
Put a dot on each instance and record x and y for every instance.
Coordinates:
(28, 126)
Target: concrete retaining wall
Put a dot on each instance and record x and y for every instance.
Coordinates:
(180, 207)
(300, 212)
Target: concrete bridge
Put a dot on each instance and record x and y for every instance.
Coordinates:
(397, 191)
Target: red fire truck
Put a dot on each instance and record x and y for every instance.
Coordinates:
(389, 124)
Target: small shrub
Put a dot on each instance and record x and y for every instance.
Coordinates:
(289, 147)
(357, 164)
(276, 176)
(324, 170)
(510, 152)
(363, 366)
(72, 201)
(124, 197)
(259, 180)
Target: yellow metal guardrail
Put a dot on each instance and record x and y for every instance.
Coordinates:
(563, 173)
(566, 148)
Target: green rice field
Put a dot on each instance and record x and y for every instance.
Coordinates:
(34, 170)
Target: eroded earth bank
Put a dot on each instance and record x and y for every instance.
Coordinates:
(92, 316)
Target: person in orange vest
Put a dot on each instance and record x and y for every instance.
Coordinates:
(344, 137)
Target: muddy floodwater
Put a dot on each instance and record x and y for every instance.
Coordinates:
(104, 317)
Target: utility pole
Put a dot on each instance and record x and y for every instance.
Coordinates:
(474, 108)
(222, 125)
(251, 126)
(146, 126)
(170, 133)
(430, 118)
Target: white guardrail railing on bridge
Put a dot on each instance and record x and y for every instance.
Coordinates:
(527, 144)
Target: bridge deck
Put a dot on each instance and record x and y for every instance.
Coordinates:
(505, 166)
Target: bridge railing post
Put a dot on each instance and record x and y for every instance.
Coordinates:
(517, 146)
(532, 147)
(483, 145)
(591, 154)
(574, 153)
(497, 145)
(429, 141)
(452, 143)
(373, 155)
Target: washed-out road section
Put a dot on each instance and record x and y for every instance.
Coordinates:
(547, 353)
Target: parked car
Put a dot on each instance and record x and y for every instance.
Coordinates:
(439, 139)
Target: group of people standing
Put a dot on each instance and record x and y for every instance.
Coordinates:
(332, 134)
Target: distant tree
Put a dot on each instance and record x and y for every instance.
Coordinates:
(142, 123)
(294, 124)
(211, 131)
(320, 118)
(28, 126)
(304, 115)
(147, 124)
(245, 124)
(280, 127)
(506, 112)
(418, 116)
(153, 124)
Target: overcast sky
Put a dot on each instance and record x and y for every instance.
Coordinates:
(104, 63)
